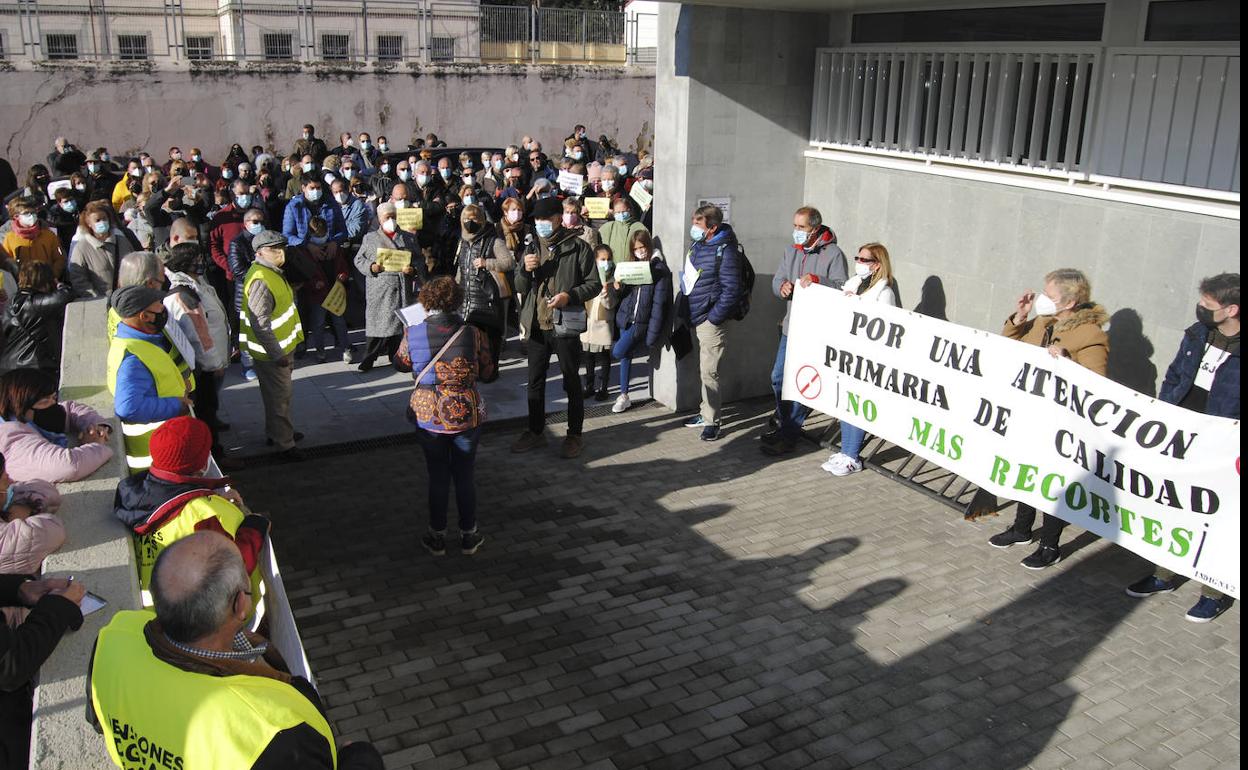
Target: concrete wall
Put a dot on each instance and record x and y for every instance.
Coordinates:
(965, 250)
(126, 108)
(732, 118)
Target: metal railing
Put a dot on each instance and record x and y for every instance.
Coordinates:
(1153, 118)
(309, 31)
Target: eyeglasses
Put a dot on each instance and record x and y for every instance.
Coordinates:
(866, 260)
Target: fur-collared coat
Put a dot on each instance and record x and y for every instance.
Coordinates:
(1080, 334)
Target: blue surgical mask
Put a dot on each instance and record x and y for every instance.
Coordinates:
(385, 168)
(101, 227)
(445, 173)
(469, 200)
(227, 173)
(242, 201)
(365, 144)
(8, 496)
(498, 164)
(697, 233)
(313, 195)
(69, 206)
(318, 240)
(385, 147)
(307, 168)
(255, 228)
(405, 175)
(621, 216)
(544, 228)
(347, 173)
(800, 237)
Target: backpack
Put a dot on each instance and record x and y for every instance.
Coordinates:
(747, 279)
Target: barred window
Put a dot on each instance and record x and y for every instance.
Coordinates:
(389, 48)
(61, 46)
(199, 47)
(442, 49)
(132, 47)
(278, 46)
(335, 47)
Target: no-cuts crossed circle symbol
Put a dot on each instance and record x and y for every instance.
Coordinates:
(809, 382)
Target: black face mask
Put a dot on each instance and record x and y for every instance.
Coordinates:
(159, 320)
(53, 419)
(1205, 316)
(472, 226)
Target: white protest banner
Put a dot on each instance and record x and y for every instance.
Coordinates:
(1157, 479)
(571, 183)
(283, 633)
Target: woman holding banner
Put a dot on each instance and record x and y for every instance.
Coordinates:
(872, 282)
(1068, 324)
(387, 259)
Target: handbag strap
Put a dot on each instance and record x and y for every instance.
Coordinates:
(441, 353)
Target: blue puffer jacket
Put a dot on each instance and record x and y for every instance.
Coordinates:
(137, 399)
(715, 296)
(299, 212)
(1223, 396)
(646, 306)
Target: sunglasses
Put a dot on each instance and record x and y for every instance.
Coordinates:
(866, 261)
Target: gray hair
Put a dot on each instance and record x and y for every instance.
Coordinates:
(813, 217)
(139, 267)
(386, 208)
(424, 163)
(201, 609)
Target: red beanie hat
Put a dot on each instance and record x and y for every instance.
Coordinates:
(181, 446)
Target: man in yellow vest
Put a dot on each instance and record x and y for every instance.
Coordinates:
(270, 329)
(147, 385)
(175, 497)
(188, 688)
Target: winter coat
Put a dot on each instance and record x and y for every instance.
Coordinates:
(93, 263)
(1080, 334)
(29, 455)
(446, 399)
(716, 294)
(226, 226)
(385, 293)
(566, 266)
(879, 292)
(356, 217)
(647, 306)
(1181, 376)
(326, 265)
(481, 290)
(617, 235)
(32, 327)
(135, 399)
(161, 219)
(824, 260)
(25, 543)
(240, 256)
(44, 247)
(299, 213)
(206, 359)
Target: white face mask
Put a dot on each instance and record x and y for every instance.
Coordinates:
(404, 174)
(389, 226)
(863, 269)
(1044, 306)
(313, 195)
(400, 204)
(422, 180)
(608, 184)
(513, 216)
(341, 197)
(385, 168)
(27, 220)
(640, 254)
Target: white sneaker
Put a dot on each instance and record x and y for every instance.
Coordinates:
(833, 461)
(845, 466)
(621, 404)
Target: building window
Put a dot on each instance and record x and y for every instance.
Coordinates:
(335, 47)
(983, 25)
(442, 49)
(61, 46)
(2, 49)
(389, 48)
(278, 46)
(199, 47)
(132, 47)
(1200, 20)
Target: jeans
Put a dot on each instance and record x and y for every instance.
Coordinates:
(541, 345)
(852, 439)
(449, 458)
(315, 326)
(1050, 529)
(623, 352)
(790, 414)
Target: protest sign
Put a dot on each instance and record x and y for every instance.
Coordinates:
(643, 198)
(336, 301)
(598, 208)
(633, 273)
(283, 633)
(411, 219)
(571, 183)
(1157, 479)
(394, 260)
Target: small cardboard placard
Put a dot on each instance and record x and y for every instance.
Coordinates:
(394, 260)
(411, 219)
(634, 273)
(571, 183)
(598, 208)
(336, 301)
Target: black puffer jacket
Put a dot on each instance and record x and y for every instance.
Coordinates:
(482, 305)
(32, 328)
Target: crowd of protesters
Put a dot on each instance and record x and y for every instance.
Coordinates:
(266, 258)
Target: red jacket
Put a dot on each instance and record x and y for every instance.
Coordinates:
(227, 224)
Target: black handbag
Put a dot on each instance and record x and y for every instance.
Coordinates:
(681, 340)
(571, 322)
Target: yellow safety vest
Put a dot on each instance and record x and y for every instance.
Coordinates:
(169, 384)
(155, 715)
(286, 324)
(149, 545)
(114, 319)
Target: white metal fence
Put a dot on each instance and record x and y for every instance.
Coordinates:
(1084, 112)
(380, 31)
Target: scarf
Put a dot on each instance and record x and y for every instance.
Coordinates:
(513, 233)
(546, 253)
(29, 233)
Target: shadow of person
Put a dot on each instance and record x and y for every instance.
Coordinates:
(1131, 353)
(932, 300)
(639, 606)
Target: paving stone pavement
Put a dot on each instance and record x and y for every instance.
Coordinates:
(667, 603)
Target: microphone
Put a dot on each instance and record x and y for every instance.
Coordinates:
(529, 246)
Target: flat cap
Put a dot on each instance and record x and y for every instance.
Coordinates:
(129, 301)
(266, 238)
(547, 208)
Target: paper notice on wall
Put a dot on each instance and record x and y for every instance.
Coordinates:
(724, 204)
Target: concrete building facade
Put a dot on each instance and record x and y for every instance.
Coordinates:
(981, 165)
